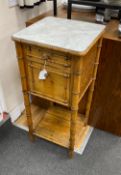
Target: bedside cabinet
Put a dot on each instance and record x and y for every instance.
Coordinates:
(58, 61)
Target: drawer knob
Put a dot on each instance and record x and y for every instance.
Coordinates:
(45, 56)
(67, 58)
(66, 65)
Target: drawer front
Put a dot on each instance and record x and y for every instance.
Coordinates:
(55, 87)
(41, 54)
(65, 68)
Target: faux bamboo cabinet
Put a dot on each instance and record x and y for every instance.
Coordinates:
(69, 53)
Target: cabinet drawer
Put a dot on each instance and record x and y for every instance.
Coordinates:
(42, 54)
(65, 68)
(55, 87)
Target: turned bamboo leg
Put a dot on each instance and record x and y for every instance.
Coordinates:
(28, 114)
(25, 89)
(72, 132)
(74, 104)
(91, 88)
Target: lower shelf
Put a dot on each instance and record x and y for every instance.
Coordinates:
(53, 124)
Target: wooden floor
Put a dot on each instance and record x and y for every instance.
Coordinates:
(62, 12)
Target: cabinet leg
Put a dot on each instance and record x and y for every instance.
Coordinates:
(74, 103)
(90, 95)
(91, 90)
(31, 137)
(71, 154)
(29, 116)
(72, 132)
(25, 87)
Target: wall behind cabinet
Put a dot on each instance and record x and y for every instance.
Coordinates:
(11, 21)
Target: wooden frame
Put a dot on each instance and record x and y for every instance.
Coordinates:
(78, 87)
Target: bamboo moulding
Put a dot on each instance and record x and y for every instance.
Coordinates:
(25, 87)
(91, 88)
(74, 102)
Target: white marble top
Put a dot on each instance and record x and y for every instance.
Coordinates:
(70, 35)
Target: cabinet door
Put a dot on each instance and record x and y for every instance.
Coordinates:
(55, 87)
